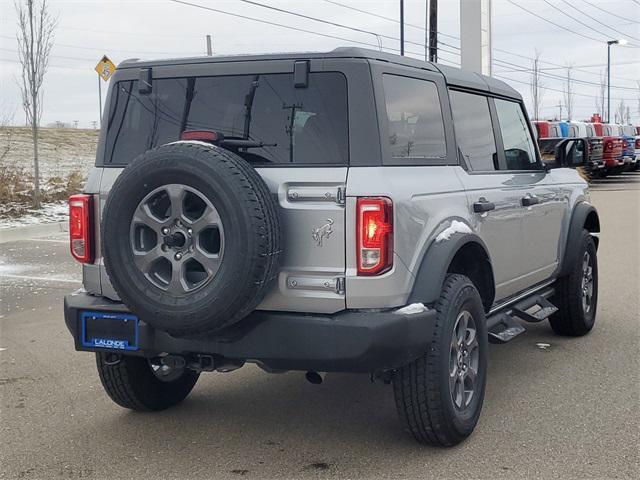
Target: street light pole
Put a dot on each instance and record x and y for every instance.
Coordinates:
(609, 43)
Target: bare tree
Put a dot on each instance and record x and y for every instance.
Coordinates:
(601, 98)
(537, 87)
(569, 95)
(621, 112)
(35, 41)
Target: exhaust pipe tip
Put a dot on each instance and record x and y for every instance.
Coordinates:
(314, 377)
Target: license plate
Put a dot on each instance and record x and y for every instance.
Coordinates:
(113, 331)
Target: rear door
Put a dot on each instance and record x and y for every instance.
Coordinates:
(494, 195)
(303, 123)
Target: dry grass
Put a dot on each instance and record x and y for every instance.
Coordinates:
(66, 155)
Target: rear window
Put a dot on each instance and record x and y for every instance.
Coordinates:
(297, 125)
(612, 130)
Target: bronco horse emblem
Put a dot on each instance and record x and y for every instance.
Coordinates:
(322, 232)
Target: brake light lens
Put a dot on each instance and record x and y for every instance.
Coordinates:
(202, 135)
(608, 145)
(374, 235)
(80, 228)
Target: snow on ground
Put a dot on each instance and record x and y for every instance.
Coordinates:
(62, 152)
(50, 212)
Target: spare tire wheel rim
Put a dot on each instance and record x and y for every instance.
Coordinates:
(177, 239)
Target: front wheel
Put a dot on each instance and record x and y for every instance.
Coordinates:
(143, 384)
(577, 293)
(439, 396)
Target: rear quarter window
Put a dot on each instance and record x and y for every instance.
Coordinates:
(414, 116)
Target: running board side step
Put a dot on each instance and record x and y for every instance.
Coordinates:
(503, 325)
(505, 330)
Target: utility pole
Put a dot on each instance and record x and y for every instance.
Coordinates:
(560, 107)
(401, 27)
(209, 49)
(433, 31)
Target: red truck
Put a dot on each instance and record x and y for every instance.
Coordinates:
(611, 147)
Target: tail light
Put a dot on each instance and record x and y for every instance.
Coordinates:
(80, 228)
(637, 143)
(608, 145)
(374, 235)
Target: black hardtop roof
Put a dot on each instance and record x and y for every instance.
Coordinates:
(453, 76)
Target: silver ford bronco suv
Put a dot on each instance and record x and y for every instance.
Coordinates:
(350, 211)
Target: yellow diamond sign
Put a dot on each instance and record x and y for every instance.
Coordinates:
(105, 68)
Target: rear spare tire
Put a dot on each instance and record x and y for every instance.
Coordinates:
(191, 238)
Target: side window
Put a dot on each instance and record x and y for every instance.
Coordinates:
(416, 127)
(474, 131)
(519, 150)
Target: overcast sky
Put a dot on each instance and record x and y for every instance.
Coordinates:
(160, 28)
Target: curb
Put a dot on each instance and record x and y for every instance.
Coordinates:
(32, 231)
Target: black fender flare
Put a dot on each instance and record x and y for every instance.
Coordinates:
(579, 217)
(436, 260)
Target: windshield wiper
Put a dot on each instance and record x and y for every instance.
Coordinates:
(244, 143)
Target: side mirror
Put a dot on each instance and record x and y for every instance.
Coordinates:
(551, 152)
(575, 153)
(563, 152)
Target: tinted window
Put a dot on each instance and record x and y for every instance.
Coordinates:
(474, 131)
(519, 150)
(416, 128)
(297, 125)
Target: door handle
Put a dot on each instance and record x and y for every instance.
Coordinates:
(483, 205)
(528, 201)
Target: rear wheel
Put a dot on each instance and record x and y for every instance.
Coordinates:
(439, 396)
(143, 384)
(577, 293)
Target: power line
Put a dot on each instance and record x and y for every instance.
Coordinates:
(308, 17)
(558, 77)
(394, 20)
(559, 91)
(53, 56)
(561, 27)
(601, 23)
(608, 12)
(582, 23)
(267, 22)
(327, 22)
(136, 52)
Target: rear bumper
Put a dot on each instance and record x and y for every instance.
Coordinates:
(349, 341)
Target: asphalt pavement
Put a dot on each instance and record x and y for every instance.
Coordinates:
(566, 410)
